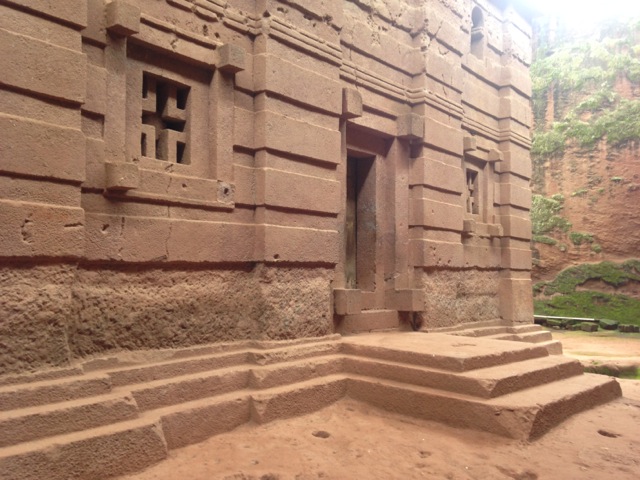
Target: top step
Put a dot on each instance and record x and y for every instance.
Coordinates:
(441, 351)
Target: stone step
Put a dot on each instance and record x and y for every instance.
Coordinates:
(176, 390)
(525, 328)
(44, 375)
(555, 402)
(37, 422)
(482, 383)
(481, 331)
(206, 363)
(369, 321)
(554, 347)
(89, 429)
(192, 422)
(27, 424)
(53, 391)
(129, 446)
(95, 454)
(198, 420)
(529, 337)
(174, 368)
(513, 377)
(296, 371)
(441, 351)
(526, 414)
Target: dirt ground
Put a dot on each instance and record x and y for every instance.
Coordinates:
(351, 440)
(612, 349)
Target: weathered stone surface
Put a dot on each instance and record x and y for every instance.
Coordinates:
(214, 169)
(454, 297)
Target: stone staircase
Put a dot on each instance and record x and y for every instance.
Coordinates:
(112, 417)
(519, 333)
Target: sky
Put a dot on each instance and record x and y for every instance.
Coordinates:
(588, 10)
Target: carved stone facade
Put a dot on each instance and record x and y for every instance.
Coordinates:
(177, 172)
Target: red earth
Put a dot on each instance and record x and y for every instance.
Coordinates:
(349, 440)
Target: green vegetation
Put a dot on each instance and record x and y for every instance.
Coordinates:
(545, 215)
(544, 239)
(631, 372)
(591, 305)
(579, 77)
(611, 273)
(578, 238)
(562, 299)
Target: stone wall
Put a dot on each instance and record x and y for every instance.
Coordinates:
(175, 172)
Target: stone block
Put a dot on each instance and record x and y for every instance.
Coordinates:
(358, 34)
(431, 253)
(430, 213)
(42, 68)
(96, 95)
(301, 192)
(518, 78)
(443, 137)
(411, 126)
(444, 68)
(231, 58)
(40, 230)
(495, 230)
(73, 12)
(516, 259)
(122, 18)
(469, 226)
(41, 149)
(515, 227)
(295, 137)
(244, 177)
(436, 174)
(347, 301)
(481, 255)
(445, 25)
(293, 244)
(351, 103)
(292, 81)
(588, 327)
(510, 194)
(608, 324)
(469, 143)
(516, 302)
(122, 176)
(405, 300)
(494, 156)
(95, 30)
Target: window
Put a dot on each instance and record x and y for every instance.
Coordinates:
(477, 32)
(164, 117)
(472, 192)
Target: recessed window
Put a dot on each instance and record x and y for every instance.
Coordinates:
(164, 119)
(477, 32)
(472, 192)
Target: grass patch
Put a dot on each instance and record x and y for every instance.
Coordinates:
(545, 215)
(591, 305)
(611, 273)
(578, 238)
(627, 373)
(544, 239)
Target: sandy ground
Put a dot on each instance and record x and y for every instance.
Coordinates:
(350, 440)
(614, 350)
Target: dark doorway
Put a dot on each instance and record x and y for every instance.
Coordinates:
(360, 223)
